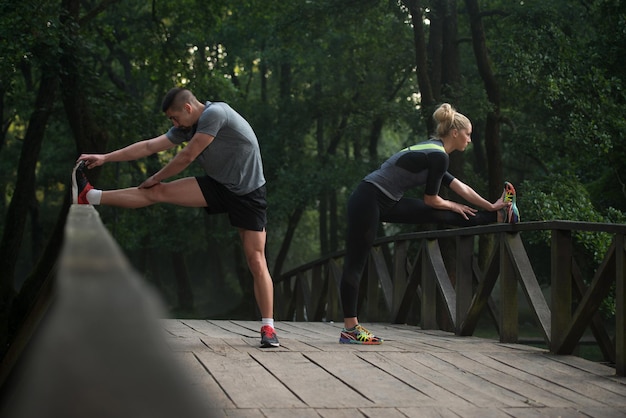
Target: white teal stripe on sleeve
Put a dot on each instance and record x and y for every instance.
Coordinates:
(423, 146)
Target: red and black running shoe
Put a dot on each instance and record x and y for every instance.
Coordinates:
(80, 184)
(268, 337)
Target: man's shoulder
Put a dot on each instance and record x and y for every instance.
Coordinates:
(215, 107)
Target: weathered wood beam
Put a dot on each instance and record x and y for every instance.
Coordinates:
(101, 348)
(561, 284)
(620, 304)
(464, 286)
(482, 295)
(529, 283)
(589, 304)
(509, 313)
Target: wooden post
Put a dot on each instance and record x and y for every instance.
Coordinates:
(429, 291)
(372, 286)
(463, 286)
(399, 276)
(620, 305)
(317, 298)
(508, 295)
(334, 311)
(561, 285)
(300, 295)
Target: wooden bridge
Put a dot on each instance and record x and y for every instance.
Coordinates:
(104, 349)
(421, 290)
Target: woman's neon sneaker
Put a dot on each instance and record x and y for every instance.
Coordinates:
(510, 213)
(358, 335)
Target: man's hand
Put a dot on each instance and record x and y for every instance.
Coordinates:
(91, 160)
(149, 182)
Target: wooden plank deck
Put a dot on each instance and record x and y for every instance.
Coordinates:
(415, 373)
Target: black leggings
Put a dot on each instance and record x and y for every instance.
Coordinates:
(367, 206)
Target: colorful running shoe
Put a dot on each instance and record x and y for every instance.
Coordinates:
(358, 335)
(511, 213)
(80, 184)
(268, 337)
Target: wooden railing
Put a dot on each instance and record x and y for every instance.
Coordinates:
(99, 349)
(406, 280)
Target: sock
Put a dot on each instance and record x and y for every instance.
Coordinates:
(94, 196)
(268, 321)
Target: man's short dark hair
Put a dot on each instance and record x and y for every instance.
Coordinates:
(175, 98)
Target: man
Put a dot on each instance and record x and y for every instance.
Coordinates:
(225, 145)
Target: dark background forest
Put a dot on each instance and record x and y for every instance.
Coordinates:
(331, 88)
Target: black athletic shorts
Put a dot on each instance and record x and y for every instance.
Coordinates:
(247, 212)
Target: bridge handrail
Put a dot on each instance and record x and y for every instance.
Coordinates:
(100, 340)
(467, 231)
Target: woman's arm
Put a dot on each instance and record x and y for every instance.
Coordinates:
(437, 202)
(470, 195)
(467, 193)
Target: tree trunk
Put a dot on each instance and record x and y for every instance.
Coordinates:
(445, 65)
(215, 252)
(292, 223)
(44, 270)
(421, 61)
(183, 286)
(492, 127)
(4, 124)
(89, 135)
(451, 61)
(434, 49)
(375, 132)
(248, 308)
(333, 216)
(15, 221)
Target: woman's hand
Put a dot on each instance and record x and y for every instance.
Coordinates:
(500, 203)
(463, 210)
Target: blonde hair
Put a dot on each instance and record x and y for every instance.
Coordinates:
(447, 118)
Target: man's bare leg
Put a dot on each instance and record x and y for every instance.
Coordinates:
(183, 192)
(254, 249)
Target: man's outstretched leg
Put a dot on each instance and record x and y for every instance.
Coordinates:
(254, 249)
(183, 192)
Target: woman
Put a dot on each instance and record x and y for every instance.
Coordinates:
(379, 197)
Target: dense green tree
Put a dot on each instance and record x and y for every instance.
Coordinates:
(331, 89)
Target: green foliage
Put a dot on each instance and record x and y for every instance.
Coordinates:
(564, 100)
(330, 89)
(564, 197)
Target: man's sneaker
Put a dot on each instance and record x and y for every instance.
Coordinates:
(80, 184)
(511, 213)
(358, 335)
(268, 337)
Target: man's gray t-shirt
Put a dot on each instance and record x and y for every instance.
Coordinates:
(233, 158)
